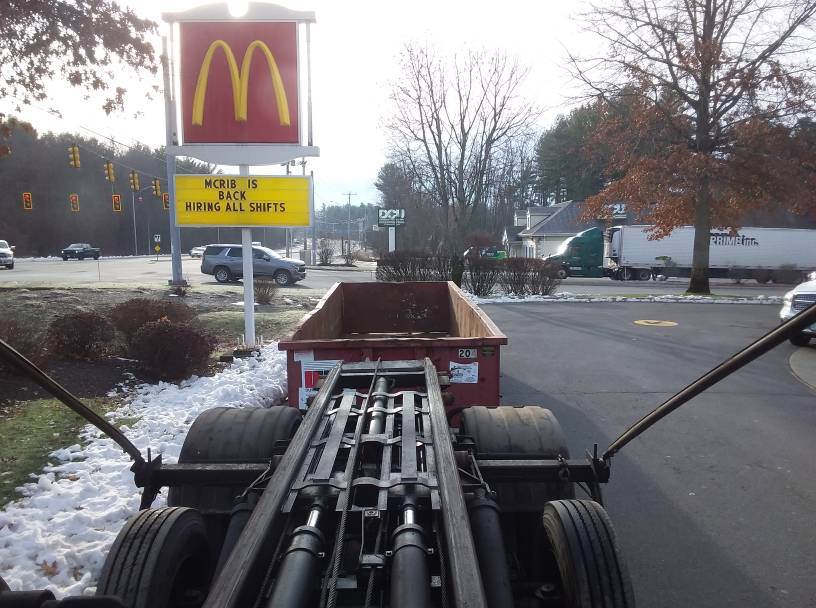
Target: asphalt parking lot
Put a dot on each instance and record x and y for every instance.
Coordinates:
(714, 505)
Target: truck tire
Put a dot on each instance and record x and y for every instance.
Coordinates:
(643, 274)
(282, 278)
(626, 274)
(96, 256)
(762, 276)
(801, 339)
(160, 559)
(519, 432)
(582, 540)
(228, 434)
(562, 273)
(65, 258)
(222, 274)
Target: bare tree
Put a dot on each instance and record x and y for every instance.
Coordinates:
(451, 115)
(706, 102)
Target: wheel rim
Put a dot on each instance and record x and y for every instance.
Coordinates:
(221, 275)
(282, 278)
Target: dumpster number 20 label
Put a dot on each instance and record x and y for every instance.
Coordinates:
(467, 353)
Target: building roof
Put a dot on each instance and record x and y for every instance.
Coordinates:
(512, 233)
(564, 221)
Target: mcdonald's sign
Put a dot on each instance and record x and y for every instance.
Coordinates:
(239, 82)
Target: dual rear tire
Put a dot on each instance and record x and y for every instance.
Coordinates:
(165, 557)
(553, 536)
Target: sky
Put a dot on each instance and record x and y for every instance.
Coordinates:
(355, 50)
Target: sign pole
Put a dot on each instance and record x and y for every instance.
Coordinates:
(170, 120)
(312, 218)
(392, 239)
(249, 287)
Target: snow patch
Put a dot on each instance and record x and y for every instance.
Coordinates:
(57, 536)
(665, 298)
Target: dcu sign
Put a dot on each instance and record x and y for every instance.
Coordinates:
(239, 82)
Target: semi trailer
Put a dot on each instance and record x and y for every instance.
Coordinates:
(781, 255)
(385, 492)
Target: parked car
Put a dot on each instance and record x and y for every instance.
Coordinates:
(197, 252)
(796, 300)
(225, 263)
(6, 255)
(80, 251)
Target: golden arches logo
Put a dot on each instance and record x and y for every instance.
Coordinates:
(240, 82)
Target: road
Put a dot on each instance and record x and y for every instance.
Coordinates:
(714, 505)
(148, 271)
(141, 271)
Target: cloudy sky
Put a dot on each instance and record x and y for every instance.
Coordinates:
(355, 46)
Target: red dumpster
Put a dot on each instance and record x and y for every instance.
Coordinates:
(397, 321)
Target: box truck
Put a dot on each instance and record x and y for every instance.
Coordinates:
(782, 255)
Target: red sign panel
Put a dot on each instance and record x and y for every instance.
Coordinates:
(239, 82)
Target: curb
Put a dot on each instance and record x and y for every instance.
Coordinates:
(802, 363)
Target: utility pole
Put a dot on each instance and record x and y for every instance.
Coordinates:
(348, 225)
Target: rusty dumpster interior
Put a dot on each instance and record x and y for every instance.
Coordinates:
(419, 310)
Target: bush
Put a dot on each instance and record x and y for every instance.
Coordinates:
(325, 252)
(515, 276)
(544, 278)
(80, 335)
(27, 339)
(171, 350)
(129, 316)
(419, 266)
(265, 290)
(482, 276)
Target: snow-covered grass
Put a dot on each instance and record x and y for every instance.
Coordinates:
(666, 298)
(57, 536)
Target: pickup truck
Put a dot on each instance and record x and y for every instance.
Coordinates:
(80, 251)
(796, 300)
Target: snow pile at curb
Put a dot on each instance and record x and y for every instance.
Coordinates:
(57, 536)
(667, 298)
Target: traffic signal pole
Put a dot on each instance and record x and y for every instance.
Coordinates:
(135, 240)
(170, 123)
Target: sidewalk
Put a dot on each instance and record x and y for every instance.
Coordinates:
(803, 365)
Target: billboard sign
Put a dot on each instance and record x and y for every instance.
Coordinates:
(243, 200)
(390, 217)
(239, 82)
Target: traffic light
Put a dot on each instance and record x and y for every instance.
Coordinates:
(73, 156)
(134, 181)
(109, 175)
(117, 202)
(166, 201)
(74, 200)
(157, 187)
(28, 205)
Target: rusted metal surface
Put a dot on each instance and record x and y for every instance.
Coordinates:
(398, 321)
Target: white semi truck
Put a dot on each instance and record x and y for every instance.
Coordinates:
(781, 255)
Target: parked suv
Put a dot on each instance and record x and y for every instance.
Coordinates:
(797, 299)
(226, 264)
(6, 255)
